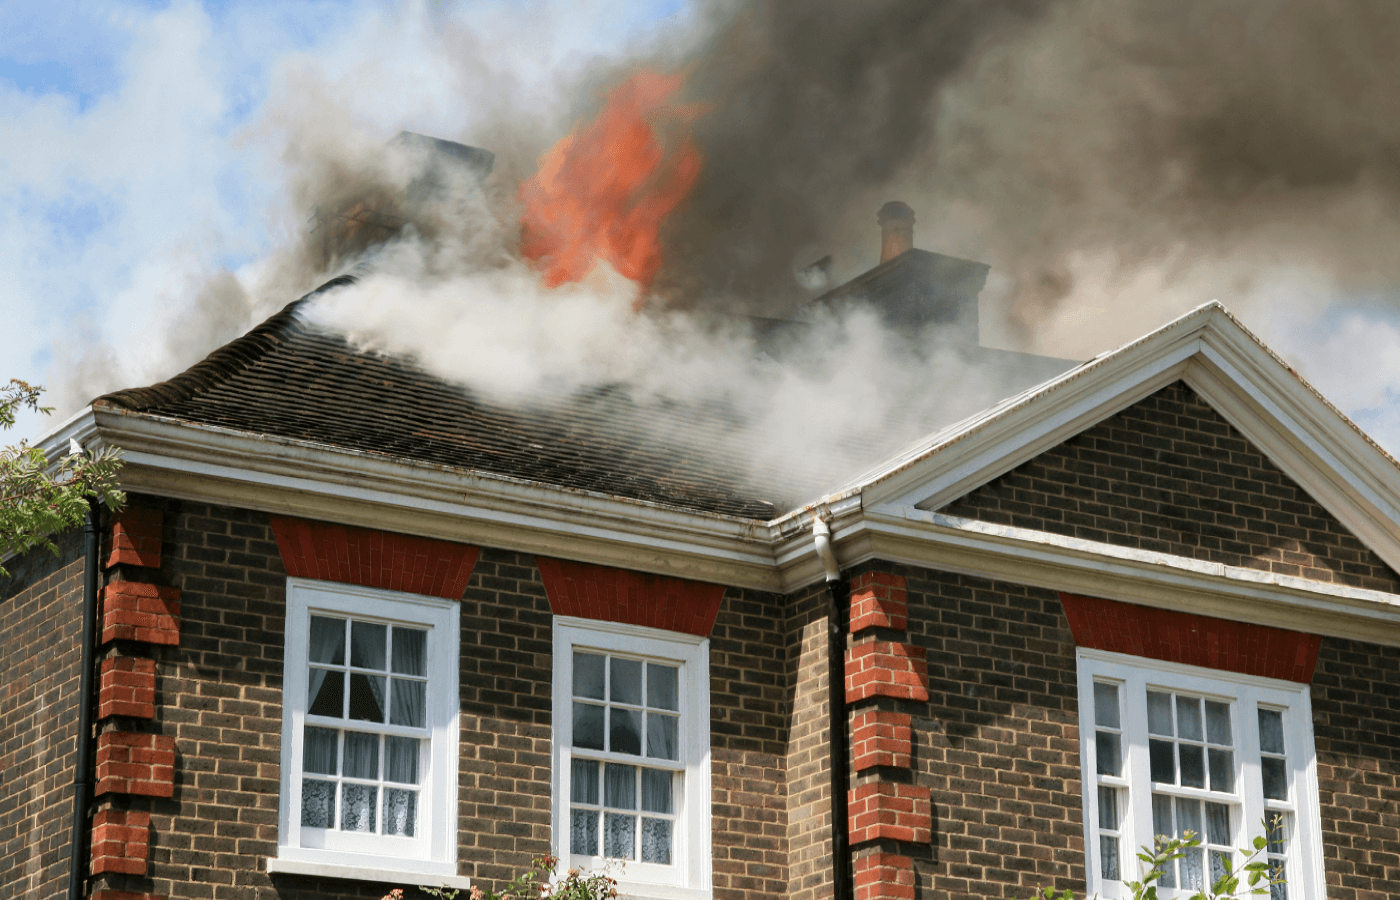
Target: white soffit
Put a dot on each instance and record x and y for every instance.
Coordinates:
(1271, 405)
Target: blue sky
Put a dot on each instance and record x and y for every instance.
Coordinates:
(142, 150)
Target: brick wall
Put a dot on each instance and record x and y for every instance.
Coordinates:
(1356, 723)
(1169, 474)
(41, 607)
(808, 758)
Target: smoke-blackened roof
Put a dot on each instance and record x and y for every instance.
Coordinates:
(289, 379)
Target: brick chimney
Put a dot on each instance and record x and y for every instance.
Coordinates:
(896, 229)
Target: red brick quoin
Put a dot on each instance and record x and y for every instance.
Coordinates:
(373, 558)
(879, 600)
(135, 538)
(881, 739)
(884, 876)
(127, 687)
(884, 669)
(120, 842)
(633, 598)
(135, 764)
(894, 812)
(134, 611)
(1191, 639)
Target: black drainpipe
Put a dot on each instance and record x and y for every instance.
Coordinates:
(82, 775)
(838, 618)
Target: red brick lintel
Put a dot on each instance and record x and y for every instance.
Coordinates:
(1192, 639)
(372, 558)
(633, 598)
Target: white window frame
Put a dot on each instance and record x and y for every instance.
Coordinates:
(1245, 693)
(688, 877)
(431, 857)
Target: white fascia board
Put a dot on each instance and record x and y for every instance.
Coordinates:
(1039, 559)
(194, 462)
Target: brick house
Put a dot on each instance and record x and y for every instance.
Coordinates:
(358, 629)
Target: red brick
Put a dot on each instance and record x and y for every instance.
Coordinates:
(879, 600)
(136, 537)
(134, 611)
(124, 895)
(885, 669)
(127, 687)
(634, 598)
(120, 842)
(141, 764)
(895, 812)
(880, 738)
(884, 876)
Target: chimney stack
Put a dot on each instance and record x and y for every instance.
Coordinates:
(896, 229)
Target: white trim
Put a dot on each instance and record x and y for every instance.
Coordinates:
(433, 853)
(690, 876)
(1245, 693)
(400, 877)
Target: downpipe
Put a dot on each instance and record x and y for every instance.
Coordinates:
(82, 774)
(838, 626)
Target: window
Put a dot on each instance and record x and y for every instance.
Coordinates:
(632, 755)
(369, 734)
(1171, 748)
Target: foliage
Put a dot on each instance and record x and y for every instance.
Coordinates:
(1154, 862)
(39, 498)
(535, 884)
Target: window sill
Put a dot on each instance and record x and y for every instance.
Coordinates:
(391, 877)
(640, 890)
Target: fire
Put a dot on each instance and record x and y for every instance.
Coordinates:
(603, 193)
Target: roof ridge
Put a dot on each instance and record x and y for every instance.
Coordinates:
(235, 356)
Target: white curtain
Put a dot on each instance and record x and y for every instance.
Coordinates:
(327, 645)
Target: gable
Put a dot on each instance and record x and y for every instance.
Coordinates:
(1169, 474)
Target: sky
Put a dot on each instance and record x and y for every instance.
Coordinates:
(144, 148)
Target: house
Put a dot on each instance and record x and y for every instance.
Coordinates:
(359, 629)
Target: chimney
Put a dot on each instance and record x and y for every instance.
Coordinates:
(896, 229)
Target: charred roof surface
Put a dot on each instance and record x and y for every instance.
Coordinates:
(289, 379)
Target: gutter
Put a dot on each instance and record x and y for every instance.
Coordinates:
(82, 770)
(838, 626)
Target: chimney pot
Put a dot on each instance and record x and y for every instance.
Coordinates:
(896, 229)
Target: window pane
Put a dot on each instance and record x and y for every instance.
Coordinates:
(626, 684)
(327, 641)
(661, 687)
(588, 726)
(1108, 857)
(1106, 704)
(367, 645)
(1276, 833)
(1218, 723)
(1188, 817)
(1188, 719)
(318, 750)
(656, 791)
(403, 760)
(620, 786)
(1162, 759)
(1193, 766)
(408, 703)
(583, 832)
(326, 693)
(400, 811)
(1162, 816)
(361, 755)
(1279, 889)
(656, 841)
(1275, 778)
(1108, 808)
(619, 836)
(583, 782)
(366, 697)
(1217, 823)
(1217, 866)
(661, 736)
(588, 676)
(1108, 759)
(1222, 770)
(1193, 876)
(625, 731)
(1159, 713)
(357, 807)
(410, 651)
(317, 803)
(1271, 731)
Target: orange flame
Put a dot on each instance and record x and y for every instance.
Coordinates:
(602, 193)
